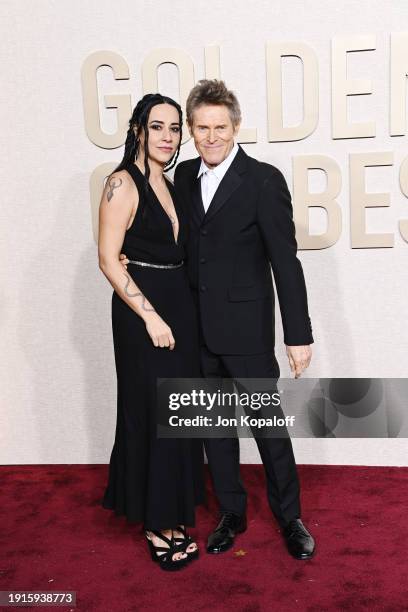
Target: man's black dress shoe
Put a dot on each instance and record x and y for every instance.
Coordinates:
(299, 541)
(222, 538)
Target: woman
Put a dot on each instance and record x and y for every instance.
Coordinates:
(156, 481)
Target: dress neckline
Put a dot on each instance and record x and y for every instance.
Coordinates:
(168, 182)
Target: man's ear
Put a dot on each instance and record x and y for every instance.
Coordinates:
(237, 128)
(190, 128)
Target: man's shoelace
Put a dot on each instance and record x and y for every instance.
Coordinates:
(228, 519)
(298, 529)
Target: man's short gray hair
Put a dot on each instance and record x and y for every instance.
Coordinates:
(213, 91)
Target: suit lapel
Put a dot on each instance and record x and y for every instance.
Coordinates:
(231, 181)
(198, 206)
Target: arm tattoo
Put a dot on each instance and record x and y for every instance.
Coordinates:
(127, 290)
(112, 186)
(137, 294)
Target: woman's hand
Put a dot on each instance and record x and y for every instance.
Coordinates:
(159, 332)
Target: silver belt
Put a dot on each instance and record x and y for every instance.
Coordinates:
(152, 265)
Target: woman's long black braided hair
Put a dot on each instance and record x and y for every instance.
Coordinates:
(139, 120)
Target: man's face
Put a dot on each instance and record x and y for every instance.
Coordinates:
(213, 133)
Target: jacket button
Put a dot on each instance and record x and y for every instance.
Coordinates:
(203, 260)
(203, 232)
(203, 288)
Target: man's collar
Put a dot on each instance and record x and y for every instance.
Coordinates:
(219, 170)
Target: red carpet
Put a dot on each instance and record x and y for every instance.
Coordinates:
(55, 536)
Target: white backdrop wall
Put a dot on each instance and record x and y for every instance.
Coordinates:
(57, 370)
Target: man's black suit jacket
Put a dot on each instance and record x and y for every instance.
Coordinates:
(248, 226)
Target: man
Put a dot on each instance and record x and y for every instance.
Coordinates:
(241, 224)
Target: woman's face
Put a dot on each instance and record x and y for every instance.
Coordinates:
(164, 133)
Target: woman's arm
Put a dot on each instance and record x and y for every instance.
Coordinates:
(119, 200)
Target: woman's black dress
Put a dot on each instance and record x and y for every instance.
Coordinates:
(156, 481)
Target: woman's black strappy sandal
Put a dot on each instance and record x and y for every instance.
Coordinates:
(184, 542)
(165, 558)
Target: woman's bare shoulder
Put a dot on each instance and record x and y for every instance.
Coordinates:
(120, 181)
(121, 176)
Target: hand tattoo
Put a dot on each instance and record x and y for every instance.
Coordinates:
(112, 186)
(137, 294)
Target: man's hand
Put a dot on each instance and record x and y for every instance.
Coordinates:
(299, 358)
(123, 260)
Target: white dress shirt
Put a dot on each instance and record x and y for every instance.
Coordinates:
(212, 177)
